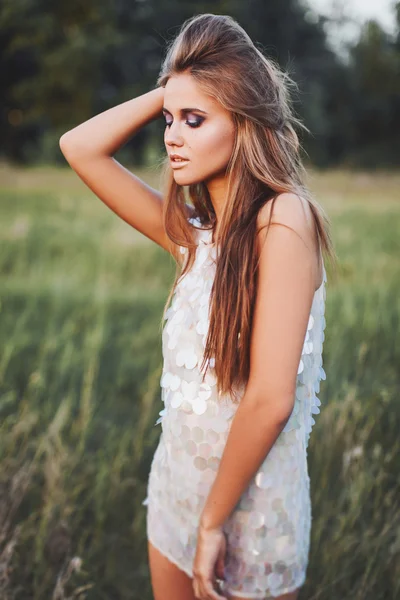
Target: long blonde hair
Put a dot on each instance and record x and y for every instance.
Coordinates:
(265, 162)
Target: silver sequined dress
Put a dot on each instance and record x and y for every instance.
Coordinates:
(268, 532)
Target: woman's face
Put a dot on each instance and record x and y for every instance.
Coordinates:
(203, 135)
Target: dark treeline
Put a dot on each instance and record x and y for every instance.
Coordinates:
(63, 62)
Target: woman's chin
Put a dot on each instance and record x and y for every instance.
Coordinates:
(185, 178)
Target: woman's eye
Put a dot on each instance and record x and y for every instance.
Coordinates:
(195, 123)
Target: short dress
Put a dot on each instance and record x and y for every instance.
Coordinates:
(268, 532)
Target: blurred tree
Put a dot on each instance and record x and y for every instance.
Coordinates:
(57, 49)
(294, 34)
(375, 85)
(60, 63)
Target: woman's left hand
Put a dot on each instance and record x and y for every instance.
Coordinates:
(208, 565)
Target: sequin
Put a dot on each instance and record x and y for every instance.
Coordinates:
(187, 407)
(205, 450)
(212, 436)
(200, 463)
(210, 378)
(162, 413)
(189, 389)
(186, 357)
(268, 532)
(175, 428)
(212, 409)
(198, 434)
(202, 327)
(202, 255)
(177, 399)
(193, 297)
(205, 391)
(191, 447)
(171, 381)
(263, 480)
(247, 503)
(174, 337)
(185, 432)
(220, 426)
(256, 519)
(199, 406)
(213, 463)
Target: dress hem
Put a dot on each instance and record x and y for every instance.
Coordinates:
(171, 558)
(224, 589)
(251, 596)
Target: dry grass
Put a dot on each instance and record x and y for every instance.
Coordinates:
(81, 295)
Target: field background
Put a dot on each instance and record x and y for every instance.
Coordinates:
(81, 297)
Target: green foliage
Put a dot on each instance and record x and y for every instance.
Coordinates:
(81, 296)
(62, 63)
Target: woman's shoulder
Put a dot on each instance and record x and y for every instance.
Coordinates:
(289, 209)
(294, 212)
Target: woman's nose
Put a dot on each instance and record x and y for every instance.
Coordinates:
(172, 136)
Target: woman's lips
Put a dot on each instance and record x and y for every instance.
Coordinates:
(175, 163)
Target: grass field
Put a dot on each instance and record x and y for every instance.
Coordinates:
(81, 298)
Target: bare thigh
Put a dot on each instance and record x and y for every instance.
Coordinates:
(168, 581)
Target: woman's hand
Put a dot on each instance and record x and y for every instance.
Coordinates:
(208, 565)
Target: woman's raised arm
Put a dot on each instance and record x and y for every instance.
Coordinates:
(89, 150)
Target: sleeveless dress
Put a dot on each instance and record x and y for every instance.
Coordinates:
(268, 532)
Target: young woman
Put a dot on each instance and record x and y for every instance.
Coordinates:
(228, 506)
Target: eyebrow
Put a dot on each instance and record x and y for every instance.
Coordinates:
(186, 110)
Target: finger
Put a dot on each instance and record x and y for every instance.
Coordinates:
(196, 590)
(202, 590)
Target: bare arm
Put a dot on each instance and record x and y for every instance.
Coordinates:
(287, 276)
(89, 147)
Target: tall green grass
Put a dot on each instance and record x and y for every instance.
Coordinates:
(80, 362)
